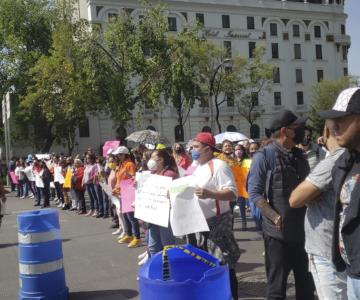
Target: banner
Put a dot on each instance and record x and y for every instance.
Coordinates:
(186, 215)
(127, 191)
(152, 204)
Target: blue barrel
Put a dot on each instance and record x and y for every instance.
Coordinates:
(184, 272)
(41, 270)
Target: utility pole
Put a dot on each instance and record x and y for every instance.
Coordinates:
(6, 122)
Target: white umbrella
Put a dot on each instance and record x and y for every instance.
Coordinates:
(231, 136)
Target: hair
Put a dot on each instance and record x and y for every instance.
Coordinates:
(244, 156)
(178, 148)
(308, 128)
(78, 161)
(276, 134)
(226, 142)
(169, 161)
(91, 157)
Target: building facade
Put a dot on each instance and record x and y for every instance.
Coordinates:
(305, 39)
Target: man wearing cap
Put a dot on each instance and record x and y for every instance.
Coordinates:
(215, 189)
(346, 182)
(275, 172)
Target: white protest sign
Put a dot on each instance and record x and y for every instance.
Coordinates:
(151, 199)
(116, 201)
(106, 188)
(186, 215)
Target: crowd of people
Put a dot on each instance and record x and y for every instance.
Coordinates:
(301, 193)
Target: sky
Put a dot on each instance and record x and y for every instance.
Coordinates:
(352, 8)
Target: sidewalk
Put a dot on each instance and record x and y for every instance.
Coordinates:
(98, 268)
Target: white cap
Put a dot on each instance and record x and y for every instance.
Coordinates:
(121, 150)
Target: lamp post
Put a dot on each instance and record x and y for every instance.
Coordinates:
(211, 87)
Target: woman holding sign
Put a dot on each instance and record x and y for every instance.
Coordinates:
(161, 163)
(215, 189)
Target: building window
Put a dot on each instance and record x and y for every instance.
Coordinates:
(229, 99)
(277, 98)
(250, 23)
(275, 50)
(225, 21)
(343, 29)
(254, 131)
(112, 17)
(276, 75)
(318, 50)
(300, 98)
(298, 75)
(273, 29)
(297, 51)
(255, 98)
(317, 31)
(231, 128)
(200, 18)
(179, 133)
(346, 72)
(206, 129)
(84, 129)
(172, 26)
(296, 30)
(320, 75)
(344, 52)
(227, 47)
(252, 46)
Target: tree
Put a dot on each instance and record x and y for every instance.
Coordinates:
(324, 95)
(59, 95)
(249, 80)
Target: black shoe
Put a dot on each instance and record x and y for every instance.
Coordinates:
(99, 216)
(37, 204)
(105, 216)
(45, 206)
(114, 225)
(66, 207)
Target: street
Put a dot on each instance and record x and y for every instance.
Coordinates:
(97, 267)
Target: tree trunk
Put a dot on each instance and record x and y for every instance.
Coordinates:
(217, 115)
(48, 144)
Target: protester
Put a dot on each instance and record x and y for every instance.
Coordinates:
(39, 183)
(58, 182)
(11, 168)
(20, 176)
(46, 178)
(313, 151)
(183, 161)
(127, 170)
(78, 187)
(346, 175)
(216, 188)
(161, 163)
(29, 179)
(275, 172)
(317, 193)
(88, 181)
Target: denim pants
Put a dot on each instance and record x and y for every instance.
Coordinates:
(90, 188)
(20, 188)
(132, 227)
(353, 288)
(241, 202)
(80, 194)
(159, 237)
(38, 195)
(100, 198)
(58, 190)
(329, 283)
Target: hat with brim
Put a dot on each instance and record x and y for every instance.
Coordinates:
(206, 138)
(121, 150)
(347, 103)
(285, 118)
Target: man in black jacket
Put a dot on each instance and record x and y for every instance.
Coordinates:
(346, 180)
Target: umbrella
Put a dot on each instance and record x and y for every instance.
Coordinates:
(145, 137)
(231, 136)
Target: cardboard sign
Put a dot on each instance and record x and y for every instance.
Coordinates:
(127, 195)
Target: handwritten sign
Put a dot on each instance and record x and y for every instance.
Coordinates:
(186, 215)
(127, 195)
(151, 199)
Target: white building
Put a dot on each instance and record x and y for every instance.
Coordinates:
(305, 39)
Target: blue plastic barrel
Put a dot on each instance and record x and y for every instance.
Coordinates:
(187, 273)
(41, 270)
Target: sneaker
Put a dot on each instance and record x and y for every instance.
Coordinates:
(117, 232)
(125, 239)
(142, 255)
(134, 243)
(94, 214)
(144, 260)
(32, 197)
(22, 197)
(89, 213)
(60, 205)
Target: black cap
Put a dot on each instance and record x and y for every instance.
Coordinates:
(284, 118)
(348, 102)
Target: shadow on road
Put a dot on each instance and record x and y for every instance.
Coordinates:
(121, 294)
(8, 245)
(243, 267)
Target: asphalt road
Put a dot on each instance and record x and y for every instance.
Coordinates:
(97, 267)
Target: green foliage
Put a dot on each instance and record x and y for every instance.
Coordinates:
(324, 95)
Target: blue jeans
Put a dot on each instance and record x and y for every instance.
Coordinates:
(90, 188)
(38, 195)
(159, 237)
(353, 288)
(103, 200)
(241, 202)
(20, 188)
(329, 283)
(132, 227)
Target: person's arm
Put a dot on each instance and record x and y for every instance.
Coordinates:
(256, 188)
(304, 194)
(223, 195)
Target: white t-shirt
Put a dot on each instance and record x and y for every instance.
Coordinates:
(29, 173)
(38, 180)
(19, 173)
(58, 177)
(221, 179)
